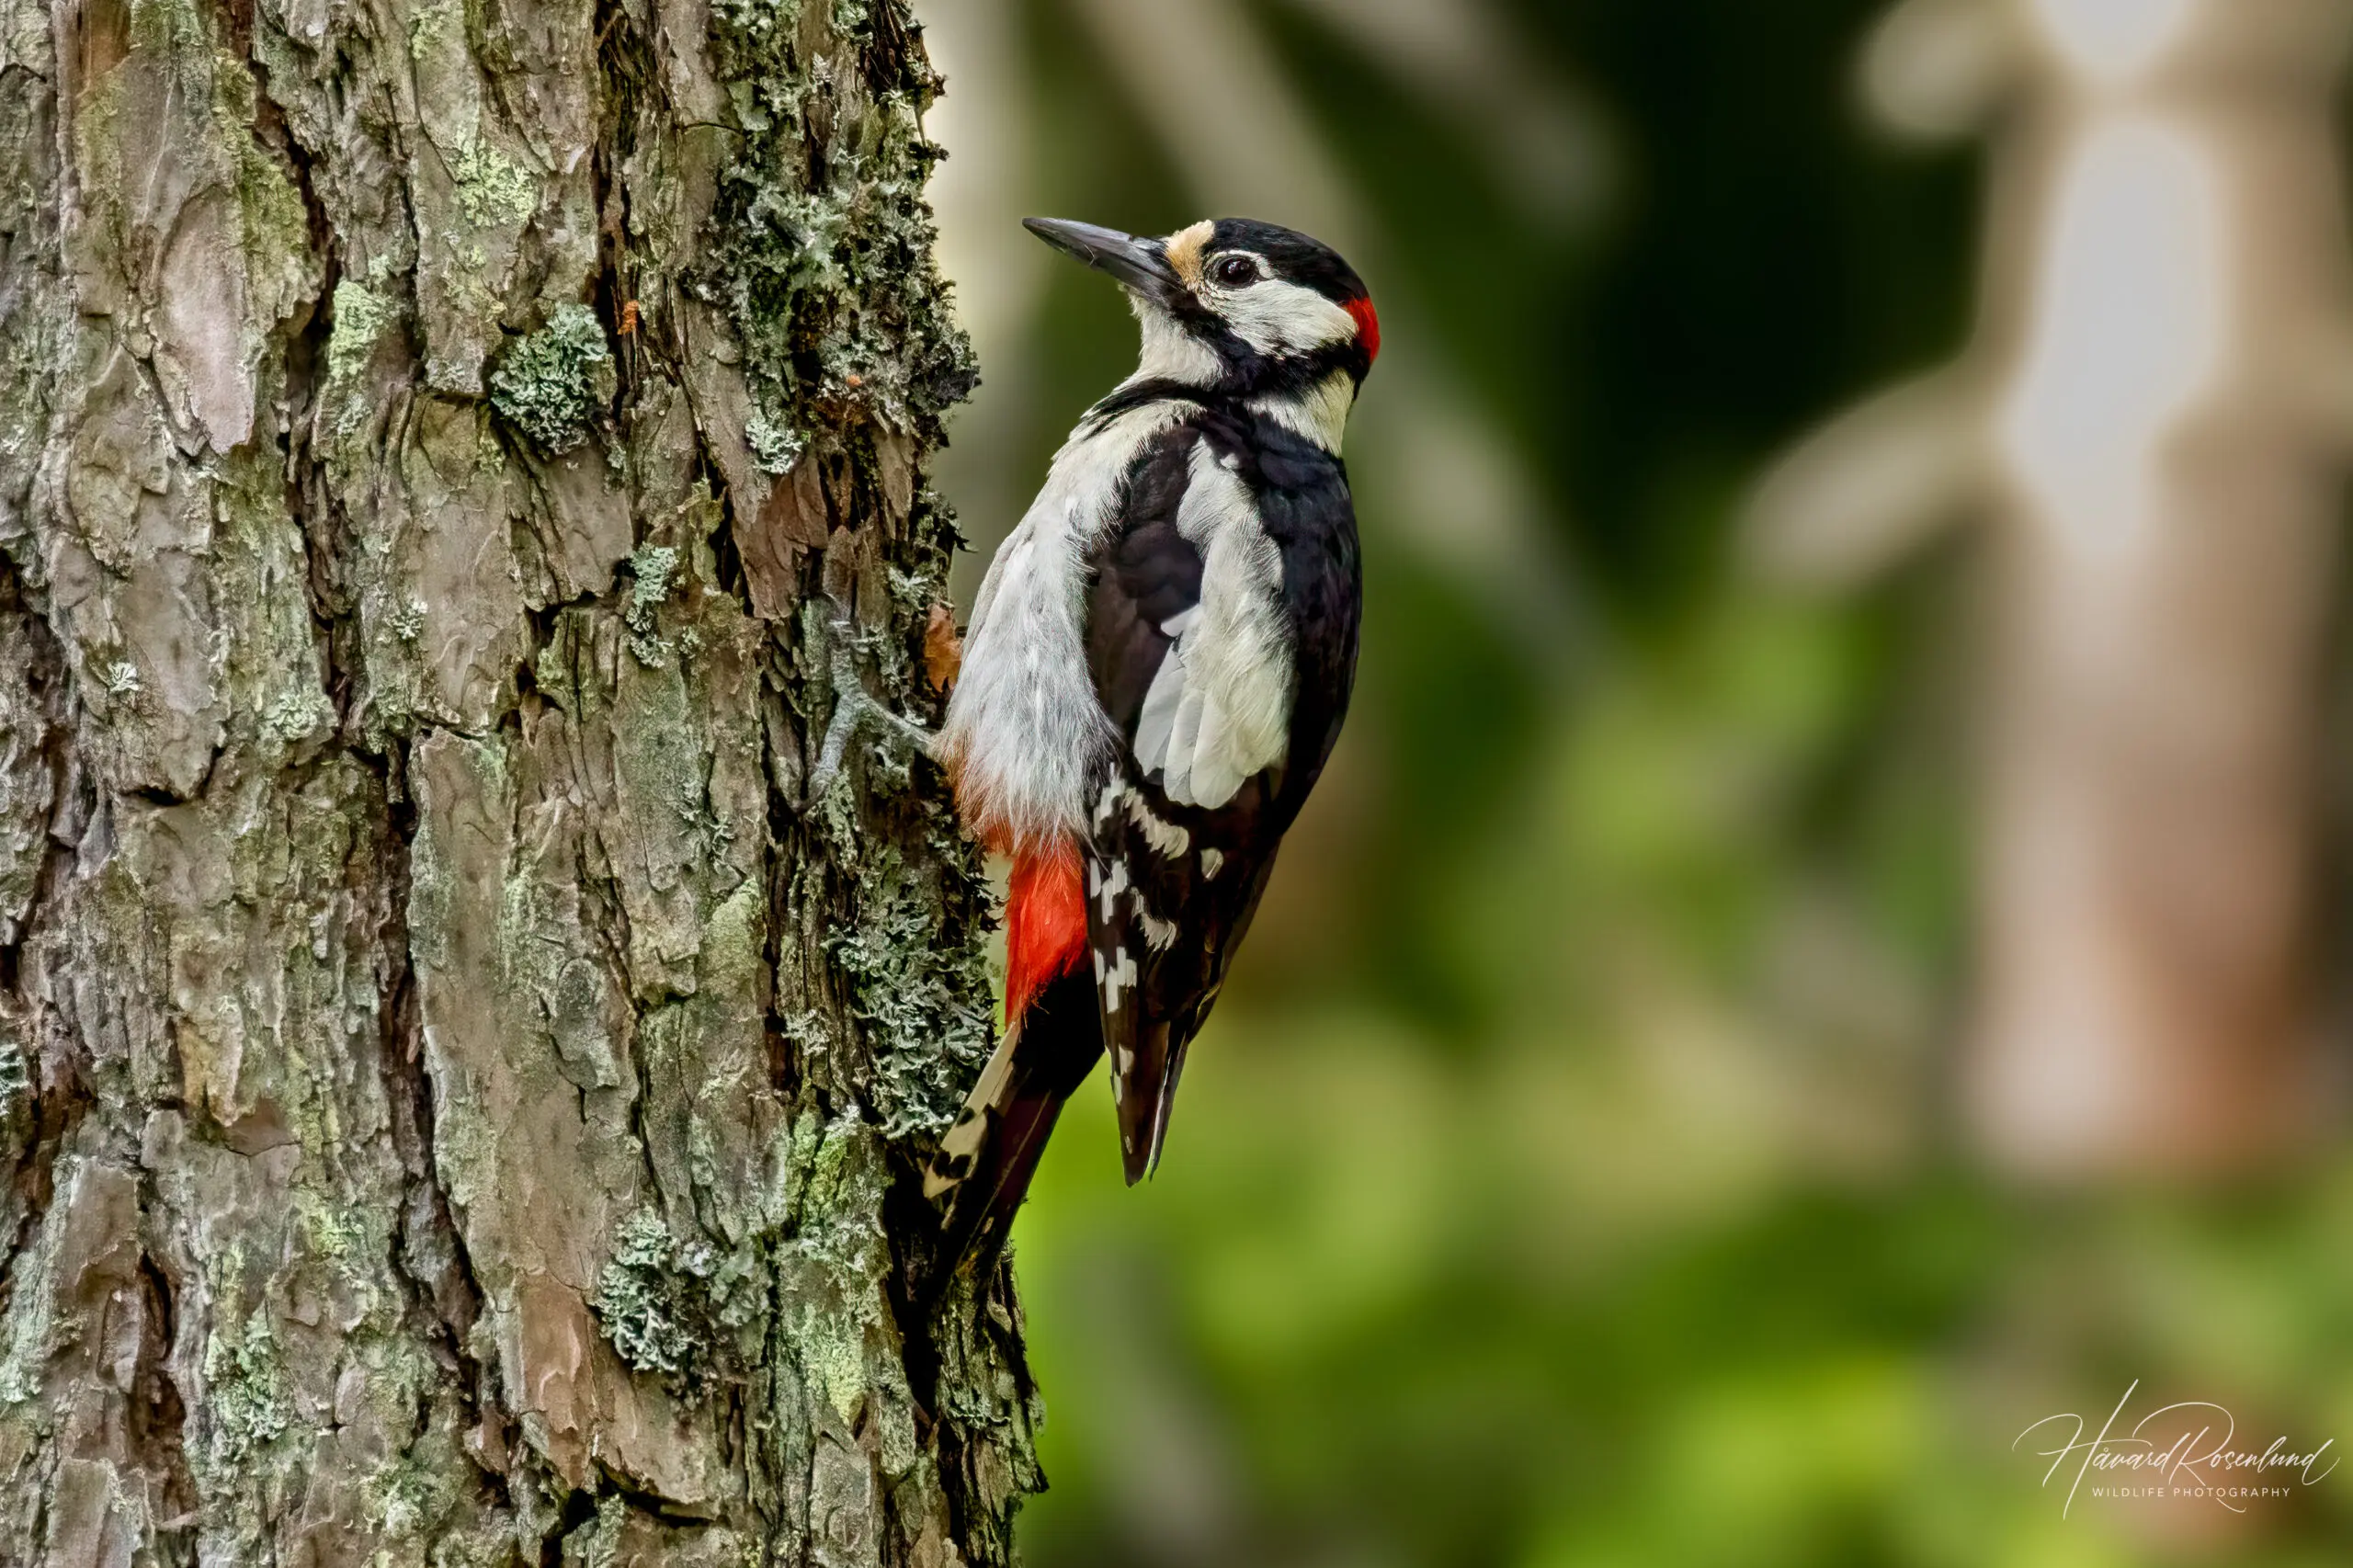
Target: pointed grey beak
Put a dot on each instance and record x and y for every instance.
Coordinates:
(1141, 264)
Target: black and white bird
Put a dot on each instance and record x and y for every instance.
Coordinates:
(1153, 679)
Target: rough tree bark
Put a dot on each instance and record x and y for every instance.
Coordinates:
(460, 1099)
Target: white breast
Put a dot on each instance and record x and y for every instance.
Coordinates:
(1024, 730)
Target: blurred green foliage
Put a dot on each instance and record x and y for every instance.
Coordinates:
(1568, 1180)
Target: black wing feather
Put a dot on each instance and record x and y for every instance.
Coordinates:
(1172, 887)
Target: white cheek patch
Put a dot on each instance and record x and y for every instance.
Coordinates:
(1219, 707)
(1024, 731)
(1285, 318)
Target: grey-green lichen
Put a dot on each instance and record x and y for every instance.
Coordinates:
(297, 715)
(652, 567)
(775, 448)
(16, 1081)
(832, 286)
(833, 1321)
(411, 1494)
(923, 998)
(673, 1307)
(548, 386)
(252, 969)
(440, 18)
(597, 1544)
(492, 188)
(639, 1300)
(243, 1378)
(360, 316)
(30, 1323)
(333, 1234)
(806, 1282)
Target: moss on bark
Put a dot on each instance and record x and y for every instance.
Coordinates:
(464, 1107)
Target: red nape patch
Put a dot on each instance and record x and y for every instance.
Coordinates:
(1045, 926)
(1368, 327)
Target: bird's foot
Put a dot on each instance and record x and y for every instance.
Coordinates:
(854, 709)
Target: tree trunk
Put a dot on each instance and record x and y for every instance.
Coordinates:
(2154, 419)
(462, 1098)
(2171, 269)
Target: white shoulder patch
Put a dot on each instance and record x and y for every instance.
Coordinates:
(1219, 707)
(1320, 414)
(1024, 731)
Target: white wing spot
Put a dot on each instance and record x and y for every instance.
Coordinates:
(1219, 707)
(1108, 889)
(1159, 935)
(1120, 975)
(1212, 862)
(1166, 838)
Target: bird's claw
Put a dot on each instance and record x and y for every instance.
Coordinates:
(854, 707)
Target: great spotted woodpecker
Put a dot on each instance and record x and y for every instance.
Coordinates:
(1153, 679)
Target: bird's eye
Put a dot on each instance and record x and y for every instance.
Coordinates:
(1233, 271)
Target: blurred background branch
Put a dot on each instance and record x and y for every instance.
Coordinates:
(2165, 248)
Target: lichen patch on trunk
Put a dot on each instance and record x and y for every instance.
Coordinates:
(463, 1102)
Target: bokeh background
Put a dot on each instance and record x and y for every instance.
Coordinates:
(1824, 941)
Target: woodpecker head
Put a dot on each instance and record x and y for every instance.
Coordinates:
(1249, 309)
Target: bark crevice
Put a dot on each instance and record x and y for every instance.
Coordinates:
(457, 1073)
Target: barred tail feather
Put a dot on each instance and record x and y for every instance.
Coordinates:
(987, 1159)
(1051, 1037)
